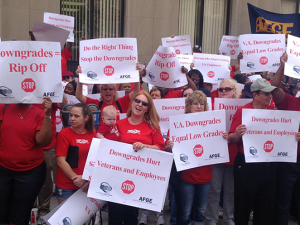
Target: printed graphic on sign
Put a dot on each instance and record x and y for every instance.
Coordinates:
(164, 69)
(181, 44)
(261, 52)
(193, 134)
(128, 177)
(229, 46)
(269, 133)
(292, 66)
(30, 71)
(108, 60)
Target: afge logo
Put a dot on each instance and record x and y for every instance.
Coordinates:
(144, 199)
(282, 154)
(250, 65)
(67, 221)
(5, 91)
(91, 74)
(252, 150)
(296, 69)
(105, 187)
(184, 158)
(151, 76)
(125, 76)
(49, 94)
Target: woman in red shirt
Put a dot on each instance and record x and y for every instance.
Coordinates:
(222, 174)
(25, 129)
(141, 129)
(72, 147)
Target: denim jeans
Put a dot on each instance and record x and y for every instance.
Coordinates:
(173, 211)
(192, 203)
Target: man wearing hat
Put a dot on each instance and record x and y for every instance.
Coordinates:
(254, 183)
(288, 174)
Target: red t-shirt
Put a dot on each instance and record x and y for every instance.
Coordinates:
(174, 94)
(65, 56)
(140, 133)
(291, 103)
(110, 133)
(233, 69)
(68, 137)
(18, 149)
(124, 103)
(237, 120)
(53, 124)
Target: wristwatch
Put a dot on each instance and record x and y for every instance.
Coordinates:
(48, 117)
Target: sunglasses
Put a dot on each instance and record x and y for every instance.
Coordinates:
(108, 89)
(226, 89)
(66, 77)
(140, 101)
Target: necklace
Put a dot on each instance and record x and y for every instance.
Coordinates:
(22, 116)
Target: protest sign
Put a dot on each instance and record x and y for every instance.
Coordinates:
(270, 135)
(46, 32)
(229, 46)
(254, 77)
(77, 210)
(198, 139)
(181, 44)
(230, 105)
(186, 60)
(298, 94)
(261, 52)
(30, 71)
(87, 89)
(58, 121)
(214, 68)
(123, 176)
(98, 95)
(61, 21)
(108, 60)
(164, 69)
(90, 160)
(292, 66)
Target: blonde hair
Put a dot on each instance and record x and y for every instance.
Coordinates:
(113, 86)
(233, 84)
(151, 116)
(196, 96)
(110, 109)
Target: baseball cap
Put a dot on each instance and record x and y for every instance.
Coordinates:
(262, 84)
(247, 90)
(68, 73)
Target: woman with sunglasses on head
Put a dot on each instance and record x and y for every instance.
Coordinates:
(72, 148)
(109, 95)
(141, 129)
(222, 174)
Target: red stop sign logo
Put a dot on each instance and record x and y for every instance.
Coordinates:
(108, 70)
(268, 146)
(211, 74)
(57, 120)
(232, 52)
(164, 76)
(198, 150)
(128, 187)
(263, 60)
(28, 85)
(177, 51)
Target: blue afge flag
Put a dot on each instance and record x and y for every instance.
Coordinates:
(264, 22)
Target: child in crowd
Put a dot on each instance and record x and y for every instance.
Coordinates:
(108, 128)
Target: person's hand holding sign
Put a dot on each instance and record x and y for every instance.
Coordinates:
(240, 130)
(298, 136)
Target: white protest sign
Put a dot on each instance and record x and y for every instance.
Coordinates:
(198, 139)
(181, 44)
(229, 46)
(90, 160)
(123, 116)
(298, 94)
(77, 210)
(292, 66)
(61, 21)
(230, 105)
(87, 89)
(254, 77)
(164, 69)
(108, 60)
(270, 135)
(186, 60)
(46, 32)
(30, 71)
(214, 68)
(98, 95)
(64, 84)
(58, 121)
(261, 52)
(166, 108)
(138, 179)
(72, 99)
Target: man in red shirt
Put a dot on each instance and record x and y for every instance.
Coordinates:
(288, 174)
(254, 183)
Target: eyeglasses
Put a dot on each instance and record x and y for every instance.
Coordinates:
(140, 101)
(226, 89)
(108, 89)
(197, 103)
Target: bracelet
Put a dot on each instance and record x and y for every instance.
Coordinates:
(47, 117)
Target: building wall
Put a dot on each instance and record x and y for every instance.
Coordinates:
(17, 17)
(149, 21)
